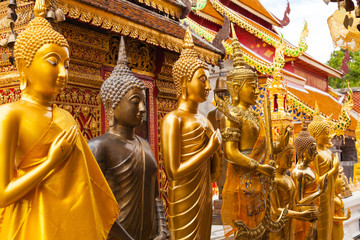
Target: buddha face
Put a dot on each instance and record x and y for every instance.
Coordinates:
(198, 88)
(324, 138)
(249, 93)
(310, 152)
(339, 186)
(47, 74)
(287, 158)
(131, 109)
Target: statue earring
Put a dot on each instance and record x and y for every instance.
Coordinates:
(23, 83)
(111, 118)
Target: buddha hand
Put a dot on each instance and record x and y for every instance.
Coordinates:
(266, 170)
(309, 215)
(62, 146)
(215, 141)
(324, 185)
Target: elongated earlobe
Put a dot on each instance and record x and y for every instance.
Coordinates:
(21, 68)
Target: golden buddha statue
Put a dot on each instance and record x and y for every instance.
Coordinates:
(51, 186)
(284, 193)
(189, 150)
(357, 145)
(339, 212)
(307, 184)
(326, 163)
(126, 159)
(245, 148)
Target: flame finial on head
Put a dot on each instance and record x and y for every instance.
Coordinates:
(318, 123)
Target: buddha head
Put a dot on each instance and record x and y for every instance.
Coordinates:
(305, 145)
(42, 56)
(319, 128)
(123, 94)
(283, 150)
(340, 185)
(242, 81)
(189, 74)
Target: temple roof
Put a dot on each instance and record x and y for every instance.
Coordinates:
(135, 21)
(255, 7)
(328, 105)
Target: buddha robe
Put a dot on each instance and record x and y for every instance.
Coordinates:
(189, 197)
(72, 202)
(339, 211)
(302, 227)
(326, 207)
(133, 181)
(245, 191)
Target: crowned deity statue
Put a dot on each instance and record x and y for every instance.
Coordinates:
(190, 150)
(285, 192)
(307, 184)
(326, 163)
(245, 148)
(51, 186)
(127, 160)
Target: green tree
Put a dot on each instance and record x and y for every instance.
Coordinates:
(353, 76)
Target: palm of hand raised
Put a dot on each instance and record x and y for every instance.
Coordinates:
(62, 146)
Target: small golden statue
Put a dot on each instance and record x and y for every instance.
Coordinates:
(189, 150)
(51, 186)
(126, 159)
(326, 163)
(339, 212)
(284, 194)
(245, 147)
(357, 145)
(307, 184)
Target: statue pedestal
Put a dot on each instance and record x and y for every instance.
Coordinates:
(352, 226)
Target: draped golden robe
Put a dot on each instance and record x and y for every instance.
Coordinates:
(72, 202)
(339, 211)
(191, 221)
(245, 191)
(302, 227)
(326, 207)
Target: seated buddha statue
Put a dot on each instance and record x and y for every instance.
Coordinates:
(245, 148)
(307, 184)
(51, 186)
(326, 163)
(284, 192)
(339, 211)
(126, 159)
(189, 149)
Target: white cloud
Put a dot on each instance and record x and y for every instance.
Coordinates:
(316, 13)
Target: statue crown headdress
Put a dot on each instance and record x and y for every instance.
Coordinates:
(37, 33)
(240, 74)
(120, 81)
(319, 123)
(187, 63)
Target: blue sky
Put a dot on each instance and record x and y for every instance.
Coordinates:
(316, 13)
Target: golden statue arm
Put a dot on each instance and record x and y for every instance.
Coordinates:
(172, 150)
(12, 189)
(216, 165)
(300, 199)
(348, 216)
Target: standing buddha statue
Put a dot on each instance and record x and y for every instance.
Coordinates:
(284, 192)
(245, 148)
(51, 186)
(326, 163)
(126, 159)
(339, 212)
(189, 150)
(307, 184)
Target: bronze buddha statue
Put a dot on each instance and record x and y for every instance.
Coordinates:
(190, 150)
(126, 159)
(307, 184)
(50, 185)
